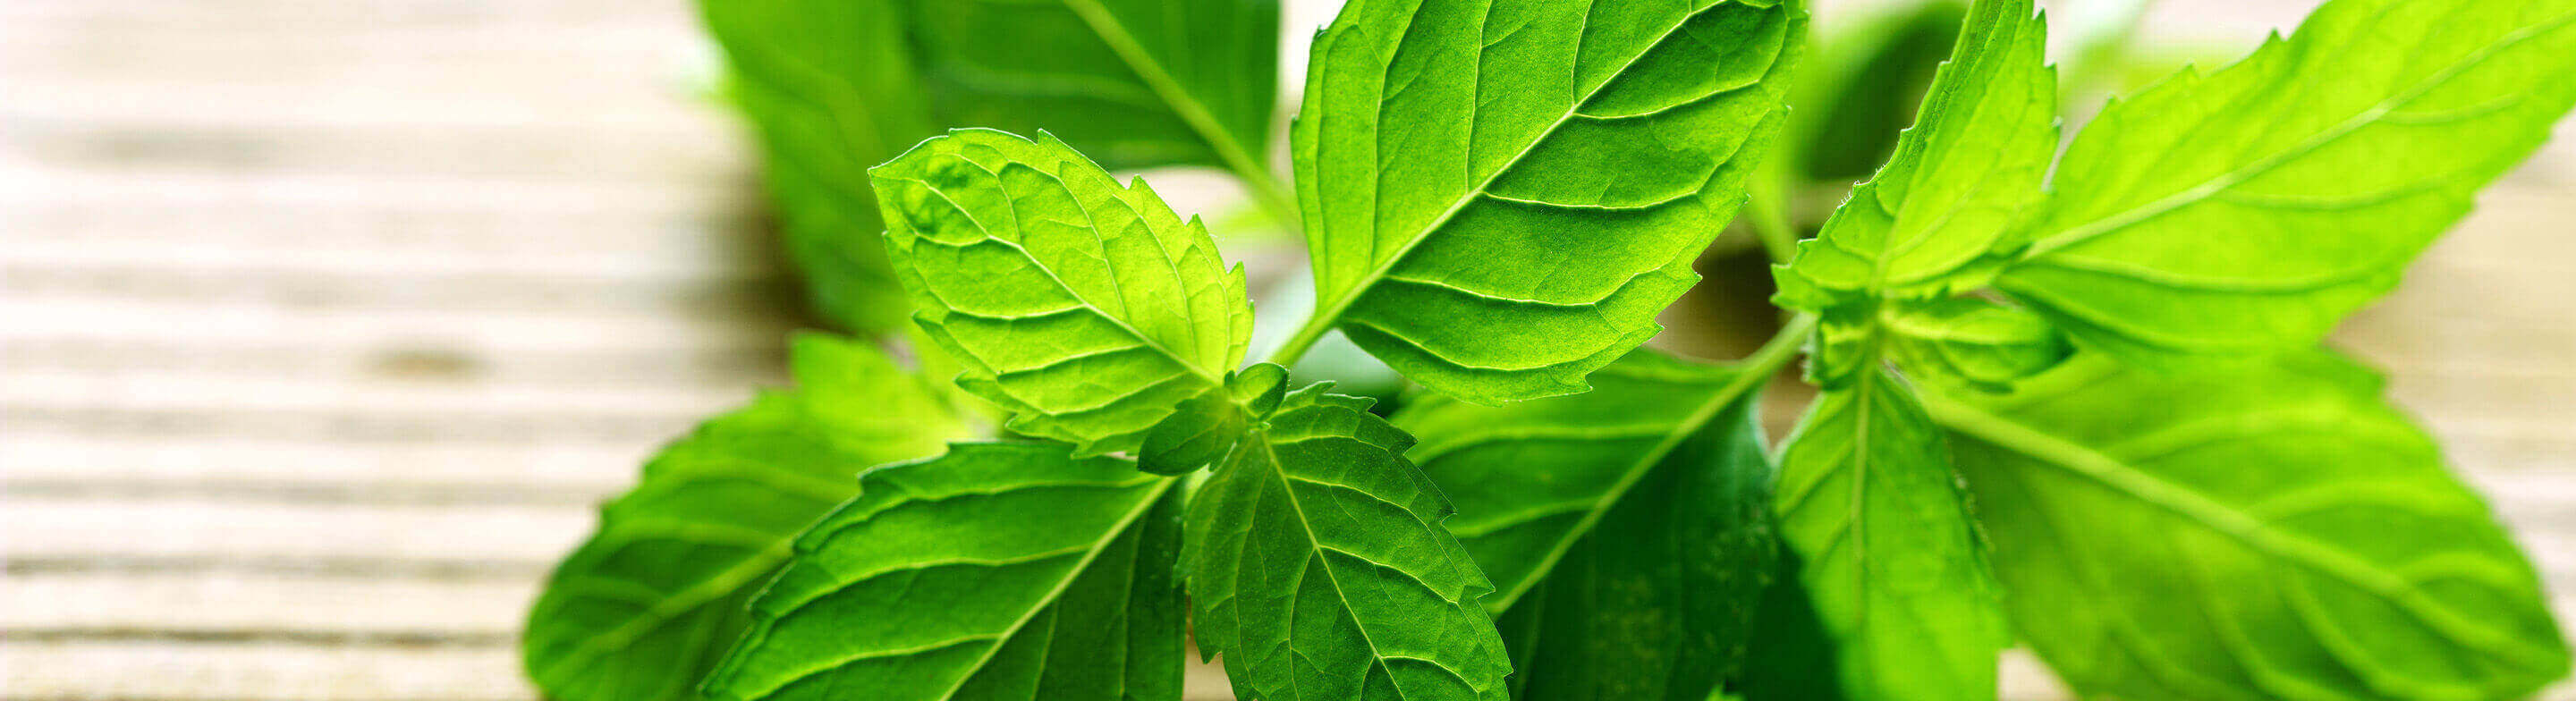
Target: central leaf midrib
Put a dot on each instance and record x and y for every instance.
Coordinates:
(2096, 228)
(1331, 316)
(2120, 478)
(1288, 491)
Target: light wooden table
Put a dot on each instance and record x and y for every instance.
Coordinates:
(326, 323)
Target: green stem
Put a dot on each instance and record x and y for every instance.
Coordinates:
(1314, 329)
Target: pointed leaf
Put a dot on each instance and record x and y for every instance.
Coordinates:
(836, 86)
(1501, 196)
(644, 608)
(1890, 556)
(2272, 530)
(1087, 308)
(997, 571)
(1319, 569)
(1624, 527)
(1973, 161)
(2253, 208)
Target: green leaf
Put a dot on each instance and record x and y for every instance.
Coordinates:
(1086, 308)
(1625, 527)
(1501, 196)
(997, 571)
(836, 86)
(1972, 342)
(644, 608)
(1319, 569)
(2253, 208)
(830, 88)
(1792, 658)
(1136, 83)
(1891, 558)
(1942, 206)
(2257, 531)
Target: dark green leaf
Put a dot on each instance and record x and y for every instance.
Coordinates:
(644, 608)
(998, 571)
(1319, 569)
(1891, 558)
(1862, 86)
(1135, 83)
(2270, 530)
(1625, 526)
(1086, 308)
(1501, 196)
(2252, 209)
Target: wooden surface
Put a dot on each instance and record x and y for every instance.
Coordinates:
(326, 323)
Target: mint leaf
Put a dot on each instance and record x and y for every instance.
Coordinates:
(1890, 557)
(830, 87)
(1940, 209)
(644, 608)
(1086, 308)
(1972, 342)
(1499, 198)
(999, 570)
(837, 86)
(1136, 83)
(1320, 572)
(2253, 208)
(1625, 527)
(2272, 529)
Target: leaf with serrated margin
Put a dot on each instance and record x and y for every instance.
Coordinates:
(1625, 527)
(644, 608)
(997, 571)
(1941, 208)
(1318, 568)
(2253, 208)
(1086, 308)
(1890, 556)
(836, 86)
(2252, 531)
(831, 89)
(1501, 195)
(1135, 83)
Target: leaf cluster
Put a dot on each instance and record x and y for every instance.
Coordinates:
(2070, 397)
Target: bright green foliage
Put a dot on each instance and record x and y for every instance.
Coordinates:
(1318, 568)
(1087, 308)
(1964, 340)
(1500, 195)
(1136, 83)
(837, 86)
(2252, 209)
(998, 571)
(1942, 206)
(829, 84)
(1890, 557)
(1203, 430)
(1625, 526)
(2268, 530)
(644, 608)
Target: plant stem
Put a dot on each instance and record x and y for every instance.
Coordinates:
(1314, 329)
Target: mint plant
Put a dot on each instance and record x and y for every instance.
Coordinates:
(2077, 401)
